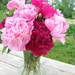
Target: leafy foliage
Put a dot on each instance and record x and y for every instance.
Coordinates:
(28, 1)
(66, 6)
(8, 50)
(4, 2)
(4, 48)
(3, 7)
(10, 13)
(71, 30)
(0, 36)
(2, 15)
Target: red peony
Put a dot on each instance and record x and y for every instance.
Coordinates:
(47, 10)
(41, 40)
(2, 25)
(44, 8)
(38, 2)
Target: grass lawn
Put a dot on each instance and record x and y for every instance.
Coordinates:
(70, 20)
(64, 53)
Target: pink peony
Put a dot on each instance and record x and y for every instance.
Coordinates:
(57, 25)
(47, 10)
(44, 8)
(41, 40)
(28, 12)
(14, 4)
(2, 25)
(17, 33)
(58, 12)
(38, 3)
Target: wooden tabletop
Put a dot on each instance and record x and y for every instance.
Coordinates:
(10, 63)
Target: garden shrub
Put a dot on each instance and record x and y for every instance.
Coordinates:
(71, 30)
(3, 7)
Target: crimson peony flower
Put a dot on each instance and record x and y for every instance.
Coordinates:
(44, 8)
(2, 25)
(47, 10)
(41, 40)
(38, 2)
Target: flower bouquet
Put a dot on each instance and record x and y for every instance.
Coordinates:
(30, 28)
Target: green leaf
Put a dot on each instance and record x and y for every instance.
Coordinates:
(8, 51)
(0, 31)
(10, 13)
(4, 48)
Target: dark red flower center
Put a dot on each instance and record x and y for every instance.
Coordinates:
(41, 40)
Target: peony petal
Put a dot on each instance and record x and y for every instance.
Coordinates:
(23, 1)
(49, 24)
(13, 4)
(57, 35)
(14, 46)
(62, 40)
(66, 27)
(1, 26)
(47, 10)
(5, 43)
(38, 2)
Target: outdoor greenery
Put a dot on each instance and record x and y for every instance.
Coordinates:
(3, 5)
(71, 31)
(4, 2)
(2, 15)
(66, 6)
(70, 20)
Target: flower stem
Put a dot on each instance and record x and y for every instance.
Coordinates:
(31, 63)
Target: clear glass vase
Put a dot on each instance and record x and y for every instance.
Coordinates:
(31, 65)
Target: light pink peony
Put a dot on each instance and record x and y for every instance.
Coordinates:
(58, 12)
(57, 25)
(14, 4)
(28, 12)
(17, 33)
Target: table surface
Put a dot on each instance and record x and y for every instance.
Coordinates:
(9, 64)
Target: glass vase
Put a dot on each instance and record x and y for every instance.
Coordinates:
(31, 65)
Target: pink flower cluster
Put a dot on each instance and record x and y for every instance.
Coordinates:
(28, 12)
(17, 33)
(32, 26)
